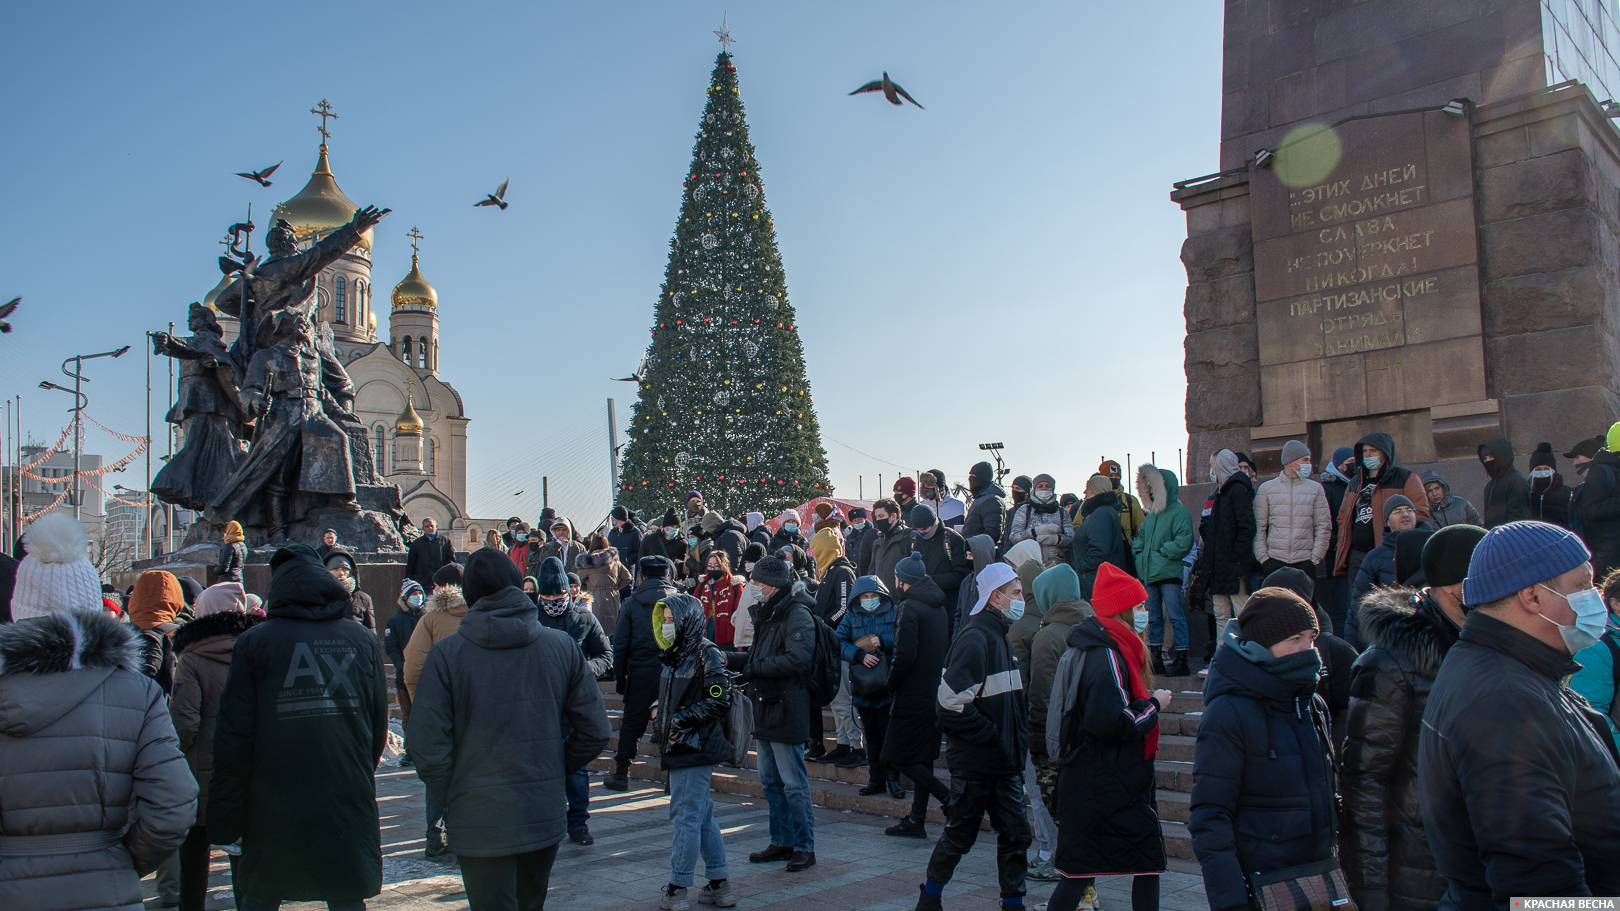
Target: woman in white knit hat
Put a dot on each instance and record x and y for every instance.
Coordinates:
(80, 719)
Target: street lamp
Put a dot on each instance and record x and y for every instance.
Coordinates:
(78, 378)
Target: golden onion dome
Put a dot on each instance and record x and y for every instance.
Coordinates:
(371, 324)
(409, 422)
(414, 292)
(321, 207)
(211, 299)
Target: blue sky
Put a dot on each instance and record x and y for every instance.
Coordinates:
(1003, 265)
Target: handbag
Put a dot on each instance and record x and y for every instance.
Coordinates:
(1318, 886)
(870, 682)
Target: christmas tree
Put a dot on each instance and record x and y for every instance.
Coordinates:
(724, 405)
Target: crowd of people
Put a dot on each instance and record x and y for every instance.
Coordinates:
(1355, 620)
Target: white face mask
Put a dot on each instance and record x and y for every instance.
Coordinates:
(668, 631)
(1043, 496)
(1139, 619)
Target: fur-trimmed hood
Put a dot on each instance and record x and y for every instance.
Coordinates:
(50, 665)
(1405, 623)
(447, 598)
(1155, 487)
(226, 623)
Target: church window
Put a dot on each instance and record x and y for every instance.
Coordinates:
(339, 305)
(406, 351)
(432, 456)
(421, 354)
(380, 445)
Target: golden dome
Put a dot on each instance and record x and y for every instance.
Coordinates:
(320, 207)
(371, 324)
(211, 299)
(414, 292)
(409, 422)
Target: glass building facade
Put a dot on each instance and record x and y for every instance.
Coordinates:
(1580, 40)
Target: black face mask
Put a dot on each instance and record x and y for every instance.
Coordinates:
(883, 525)
(717, 574)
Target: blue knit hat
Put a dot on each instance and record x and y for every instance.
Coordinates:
(1518, 555)
(912, 569)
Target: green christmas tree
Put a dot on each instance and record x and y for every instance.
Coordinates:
(724, 405)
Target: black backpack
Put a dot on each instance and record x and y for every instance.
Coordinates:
(825, 672)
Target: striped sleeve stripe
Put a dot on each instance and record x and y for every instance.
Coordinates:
(952, 701)
(1124, 697)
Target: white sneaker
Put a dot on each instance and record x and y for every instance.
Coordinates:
(673, 901)
(719, 898)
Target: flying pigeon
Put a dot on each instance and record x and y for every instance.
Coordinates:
(637, 377)
(890, 89)
(261, 177)
(9, 308)
(497, 198)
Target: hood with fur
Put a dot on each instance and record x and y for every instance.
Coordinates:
(1403, 622)
(1156, 488)
(447, 598)
(51, 664)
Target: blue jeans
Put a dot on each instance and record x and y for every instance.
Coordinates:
(691, 809)
(1165, 598)
(787, 792)
(578, 786)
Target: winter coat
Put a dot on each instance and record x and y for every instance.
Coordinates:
(694, 693)
(1057, 594)
(1392, 479)
(1507, 493)
(921, 637)
(782, 539)
(856, 624)
(858, 547)
(1386, 856)
(1453, 510)
(1021, 635)
(1598, 508)
(887, 552)
(1263, 798)
(360, 610)
(505, 710)
(426, 556)
(1167, 530)
(1334, 486)
(720, 598)
(1291, 521)
(627, 541)
(1560, 835)
(1100, 539)
(635, 651)
(603, 575)
(1338, 657)
(301, 727)
(519, 553)
(983, 553)
(232, 557)
(1107, 823)
(1595, 681)
(1554, 503)
(986, 514)
(568, 551)
(1048, 526)
(204, 648)
(945, 556)
(445, 610)
(1227, 553)
(732, 540)
(582, 627)
(654, 544)
(91, 767)
(1377, 570)
(982, 709)
(779, 666)
(834, 591)
(396, 635)
(1130, 513)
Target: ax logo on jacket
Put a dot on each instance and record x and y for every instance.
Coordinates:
(320, 680)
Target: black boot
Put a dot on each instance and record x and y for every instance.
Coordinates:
(1158, 659)
(620, 779)
(1178, 665)
(895, 790)
(907, 827)
(873, 786)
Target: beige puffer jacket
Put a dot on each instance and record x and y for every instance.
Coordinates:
(440, 619)
(1291, 521)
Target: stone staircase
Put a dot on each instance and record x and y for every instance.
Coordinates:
(836, 789)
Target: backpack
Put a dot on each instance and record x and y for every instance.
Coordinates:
(1061, 706)
(826, 672)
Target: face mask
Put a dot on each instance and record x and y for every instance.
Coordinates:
(871, 603)
(883, 525)
(752, 591)
(715, 573)
(668, 631)
(691, 542)
(554, 607)
(1372, 462)
(857, 526)
(1590, 618)
(1044, 496)
(1015, 609)
(791, 528)
(522, 536)
(670, 533)
(930, 493)
(1305, 470)
(1541, 474)
(1019, 495)
(1211, 475)
(1139, 619)
(414, 601)
(430, 535)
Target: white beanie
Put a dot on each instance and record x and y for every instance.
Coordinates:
(790, 515)
(56, 574)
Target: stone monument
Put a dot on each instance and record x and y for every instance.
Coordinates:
(1413, 231)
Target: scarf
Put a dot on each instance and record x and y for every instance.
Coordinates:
(1134, 652)
(555, 609)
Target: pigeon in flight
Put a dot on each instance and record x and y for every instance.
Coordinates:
(890, 89)
(637, 377)
(262, 176)
(9, 308)
(497, 198)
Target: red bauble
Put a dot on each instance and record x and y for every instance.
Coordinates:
(680, 322)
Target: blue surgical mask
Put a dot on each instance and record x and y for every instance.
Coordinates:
(1305, 469)
(1015, 609)
(1372, 462)
(670, 533)
(871, 602)
(791, 528)
(522, 536)
(857, 526)
(1591, 618)
(691, 541)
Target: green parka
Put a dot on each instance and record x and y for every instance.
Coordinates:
(1167, 528)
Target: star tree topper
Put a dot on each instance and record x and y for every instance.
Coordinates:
(724, 34)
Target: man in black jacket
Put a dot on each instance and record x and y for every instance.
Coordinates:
(858, 540)
(986, 722)
(504, 679)
(426, 554)
(301, 727)
(944, 552)
(988, 508)
(892, 544)
(560, 612)
(1532, 806)
(778, 670)
(635, 662)
(1507, 493)
(625, 536)
(1597, 506)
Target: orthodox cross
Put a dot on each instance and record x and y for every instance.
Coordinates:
(324, 111)
(416, 238)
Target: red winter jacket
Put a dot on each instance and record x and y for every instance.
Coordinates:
(719, 599)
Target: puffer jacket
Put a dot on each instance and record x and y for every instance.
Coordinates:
(1167, 529)
(231, 558)
(986, 513)
(1100, 539)
(204, 648)
(581, 626)
(635, 651)
(1392, 479)
(858, 623)
(694, 691)
(1291, 521)
(1047, 525)
(92, 769)
(1227, 553)
(440, 619)
(1057, 597)
(1385, 853)
(603, 576)
(981, 700)
(1453, 510)
(779, 665)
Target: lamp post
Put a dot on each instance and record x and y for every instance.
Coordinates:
(80, 400)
